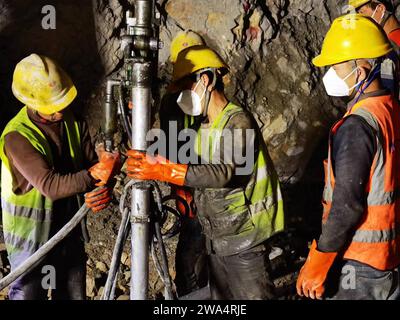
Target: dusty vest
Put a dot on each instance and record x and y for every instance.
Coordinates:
(27, 218)
(237, 219)
(376, 240)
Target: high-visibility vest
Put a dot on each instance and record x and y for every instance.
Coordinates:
(242, 217)
(376, 240)
(27, 218)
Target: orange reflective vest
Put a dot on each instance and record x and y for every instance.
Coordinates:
(376, 240)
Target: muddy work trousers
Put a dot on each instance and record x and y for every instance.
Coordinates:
(243, 276)
(190, 258)
(352, 280)
(63, 271)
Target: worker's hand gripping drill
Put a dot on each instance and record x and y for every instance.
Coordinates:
(312, 277)
(143, 166)
(109, 165)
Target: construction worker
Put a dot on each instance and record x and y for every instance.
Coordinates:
(190, 256)
(383, 12)
(45, 154)
(238, 211)
(357, 255)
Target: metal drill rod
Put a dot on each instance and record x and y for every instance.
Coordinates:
(140, 213)
(138, 47)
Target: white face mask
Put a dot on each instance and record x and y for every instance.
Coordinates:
(190, 102)
(336, 86)
(380, 21)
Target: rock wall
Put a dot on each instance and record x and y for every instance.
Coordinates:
(268, 45)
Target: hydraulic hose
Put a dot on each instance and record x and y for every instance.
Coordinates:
(161, 265)
(165, 276)
(118, 247)
(38, 256)
(125, 120)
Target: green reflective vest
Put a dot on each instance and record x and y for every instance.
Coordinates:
(27, 218)
(237, 219)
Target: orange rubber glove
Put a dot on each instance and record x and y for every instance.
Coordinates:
(145, 167)
(98, 199)
(312, 277)
(106, 168)
(186, 195)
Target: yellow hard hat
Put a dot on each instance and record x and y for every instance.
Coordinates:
(41, 84)
(195, 59)
(182, 41)
(357, 3)
(352, 37)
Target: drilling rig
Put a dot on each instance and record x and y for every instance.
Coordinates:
(140, 47)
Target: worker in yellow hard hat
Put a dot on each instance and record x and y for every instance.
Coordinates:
(383, 12)
(239, 205)
(47, 160)
(190, 256)
(356, 256)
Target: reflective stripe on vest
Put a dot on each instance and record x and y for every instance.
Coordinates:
(27, 218)
(376, 240)
(262, 195)
(187, 121)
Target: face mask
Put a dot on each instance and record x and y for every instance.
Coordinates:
(380, 21)
(190, 102)
(336, 86)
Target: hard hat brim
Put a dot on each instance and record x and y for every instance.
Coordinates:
(323, 61)
(56, 106)
(358, 4)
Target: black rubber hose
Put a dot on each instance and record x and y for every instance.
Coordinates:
(125, 121)
(116, 258)
(40, 254)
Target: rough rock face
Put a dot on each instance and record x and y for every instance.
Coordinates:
(72, 43)
(268, 45)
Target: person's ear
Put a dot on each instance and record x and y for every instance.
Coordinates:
(362, 73)
(381, 8)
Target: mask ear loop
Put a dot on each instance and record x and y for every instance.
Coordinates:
(373, 13)
(197, 84)
(385, 17)
(376, 69)
(357, 86)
